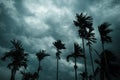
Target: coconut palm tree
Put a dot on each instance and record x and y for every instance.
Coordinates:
(83, 22)
(105, 38)
(17, 56)
(90, 40)
(59, 46)
(113, 65)
(40, 56)
(77, 53)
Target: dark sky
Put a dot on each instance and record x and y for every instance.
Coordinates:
(38, 23)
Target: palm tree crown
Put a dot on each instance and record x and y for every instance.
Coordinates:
(83, 22)
(17, 55)
(90, 37)
(104, 31)
(41, 55)
(77, 52)
(59, 46)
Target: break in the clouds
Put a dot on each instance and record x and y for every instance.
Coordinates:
(38, 23)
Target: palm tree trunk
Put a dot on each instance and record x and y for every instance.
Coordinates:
(13, 72)
(93, 69)
(57, 69)
(75, 67)
(106, 65)
(11, 78)
(39, 67)
(84, 58)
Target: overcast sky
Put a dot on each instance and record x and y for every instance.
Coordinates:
(38, 23)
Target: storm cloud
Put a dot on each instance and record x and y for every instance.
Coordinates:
(38, 23)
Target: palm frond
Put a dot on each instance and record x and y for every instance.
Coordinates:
(17, 44)
(104, 32)
(71, 55)
(7, 55)
(77, 49)
(90, 37)
(97, 70)
(83, 74)
(59, 45)
(83, 20)
(41, 54)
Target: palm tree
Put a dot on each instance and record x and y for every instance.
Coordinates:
(90, 40)
(29, 75)
(105, 38)
(77, 53)
(40, 56)
(59, 46)
(26, 75)
(17, 56)
(113, 65)
(83, 22)
(83, 74)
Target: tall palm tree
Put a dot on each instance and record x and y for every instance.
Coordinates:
(77, 53)
(83, 22)
(90, 40)
(40, 56)
(105, 38)
(113, 65)
(17, 56)
(59, 46)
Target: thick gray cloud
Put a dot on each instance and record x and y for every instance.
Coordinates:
(38, 23)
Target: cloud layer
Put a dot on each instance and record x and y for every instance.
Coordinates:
(38, 23)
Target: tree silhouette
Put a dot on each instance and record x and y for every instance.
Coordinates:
(59, 46)
(77, 53)
(113, 65)
(83, 22)
(29, 76)
(83, 74)
(40, 56)
(17, 56)
(26, 75)
(105, 38)
(90, 40)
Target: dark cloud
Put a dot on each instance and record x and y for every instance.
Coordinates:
(38, 23)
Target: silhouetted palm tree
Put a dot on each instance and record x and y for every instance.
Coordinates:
(90, 40)
(83, 74)
(113, 65)
(77, 53)
(40, 56)
(59, 46)
(105, 38)
(29, 76)
(83, 22)
(17, 56)
(26, 75)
